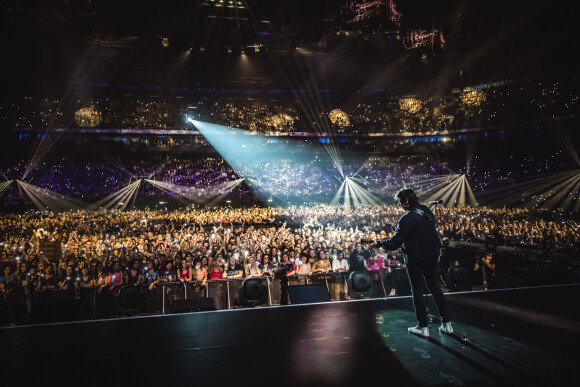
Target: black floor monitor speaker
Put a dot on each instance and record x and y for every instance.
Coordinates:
(194, 305)
(307, 294)
(360, 284)
(253, 292)
(130, 299)
(459, 279)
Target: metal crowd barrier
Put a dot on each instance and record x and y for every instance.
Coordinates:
(336, 283)
(59, 304)
(224, 292)
(88, 302)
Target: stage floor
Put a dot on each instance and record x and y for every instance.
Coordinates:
(524, 336)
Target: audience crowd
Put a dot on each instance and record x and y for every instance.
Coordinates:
(109, 249)
(105, 250)
(500, 103)
(298, 179)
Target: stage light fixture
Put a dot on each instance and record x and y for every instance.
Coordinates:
(88, 117)
(338, 117)
(280, 120)
(410, 104)
(472, 97)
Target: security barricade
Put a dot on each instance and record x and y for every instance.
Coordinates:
(95, 302)
(59, 304)
(223, 292)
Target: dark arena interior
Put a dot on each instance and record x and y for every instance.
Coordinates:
(289, 192)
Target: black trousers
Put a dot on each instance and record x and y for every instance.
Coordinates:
(419, 275)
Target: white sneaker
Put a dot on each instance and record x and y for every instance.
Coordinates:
(420, 331)
(446, 328)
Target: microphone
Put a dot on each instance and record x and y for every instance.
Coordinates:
(436, 202)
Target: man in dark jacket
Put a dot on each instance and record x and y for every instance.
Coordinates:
(419, 240)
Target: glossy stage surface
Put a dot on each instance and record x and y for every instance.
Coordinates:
(523, 336)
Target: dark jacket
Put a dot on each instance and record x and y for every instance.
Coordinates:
(416, 236)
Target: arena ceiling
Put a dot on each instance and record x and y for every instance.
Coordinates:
(285, 43)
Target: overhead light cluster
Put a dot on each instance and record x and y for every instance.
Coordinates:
(338, 117)
(281, 120)
(88, 117)
(472, 97)
(410, 104)
(438, 116)
(224, 3)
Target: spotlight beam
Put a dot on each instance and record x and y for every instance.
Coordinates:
(354, 195)
(45, 199)
(558, 128)
(313, 109)
(226, 191)
(532, 192)
(561, 196)
(431, 184)
(445, 192)
(4, 186)
(455, 195)
(365, 196)
(174, 189)
(42, 149)
(575, 201)
(470, 194)
(339, 193)
(204, 195)
(243, 151)
(462, 191)
(118, 198)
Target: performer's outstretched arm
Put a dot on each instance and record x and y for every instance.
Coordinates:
(400, 235)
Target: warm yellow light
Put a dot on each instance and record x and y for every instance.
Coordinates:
(410, 104)
(338, 117)
(88, 117)
(165, 42)
(472, 97)
(438, 116)
(281, 120)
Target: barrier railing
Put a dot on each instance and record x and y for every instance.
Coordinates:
(224, 292)
(92, 302)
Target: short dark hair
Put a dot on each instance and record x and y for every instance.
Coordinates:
(406, 195)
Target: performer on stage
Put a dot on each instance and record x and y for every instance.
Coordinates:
(417, 236)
